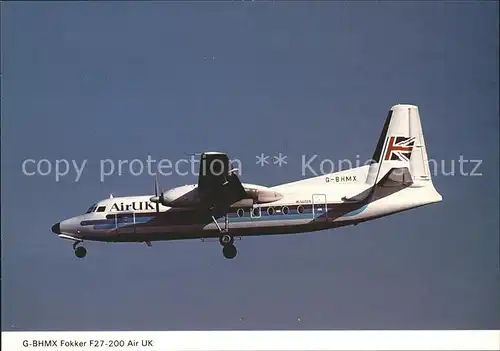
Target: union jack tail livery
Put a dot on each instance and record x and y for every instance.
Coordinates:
(399, 148)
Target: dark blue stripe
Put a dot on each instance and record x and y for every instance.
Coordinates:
(233, 217)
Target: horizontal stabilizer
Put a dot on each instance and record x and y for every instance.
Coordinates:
(359, 196)
(396, 177)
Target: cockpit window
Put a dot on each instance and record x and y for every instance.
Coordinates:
(91, 208)
(101, 209)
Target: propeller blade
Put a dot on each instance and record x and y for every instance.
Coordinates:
(158, 198)
(156, 185)
(155, 198)
(156, 194)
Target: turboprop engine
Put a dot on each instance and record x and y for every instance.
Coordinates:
(187, 196)
(261, 194)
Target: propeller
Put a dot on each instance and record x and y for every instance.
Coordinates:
(157, 198)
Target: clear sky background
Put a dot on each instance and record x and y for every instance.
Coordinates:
(126, 80)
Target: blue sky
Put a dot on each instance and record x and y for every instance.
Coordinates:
(93, 81)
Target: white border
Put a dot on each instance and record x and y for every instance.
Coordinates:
(263, 340)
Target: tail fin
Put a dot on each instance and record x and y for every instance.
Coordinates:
(401, 146)
(400, 158)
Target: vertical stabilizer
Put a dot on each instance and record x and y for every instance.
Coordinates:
(401, 145)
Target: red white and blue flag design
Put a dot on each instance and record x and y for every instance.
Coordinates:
(399, 148)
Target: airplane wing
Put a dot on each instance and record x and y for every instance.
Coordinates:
(218, 185)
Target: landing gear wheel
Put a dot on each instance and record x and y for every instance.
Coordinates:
(229, 251)
(226, 239)
(80, 252)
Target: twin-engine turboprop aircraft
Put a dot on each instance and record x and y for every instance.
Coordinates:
(220, 206)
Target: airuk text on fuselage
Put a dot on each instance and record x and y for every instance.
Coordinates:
(133, 206)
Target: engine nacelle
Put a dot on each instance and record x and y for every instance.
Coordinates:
(262, 195)
(182, 196)
(187, 196)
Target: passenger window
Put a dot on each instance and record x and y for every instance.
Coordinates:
(101, 209)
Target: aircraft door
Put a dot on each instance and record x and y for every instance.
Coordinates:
(319, 207)
(125, 223)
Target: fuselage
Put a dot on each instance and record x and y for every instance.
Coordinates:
(307, 205)
(397, 178)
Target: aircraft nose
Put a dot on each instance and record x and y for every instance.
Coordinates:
(56, 228)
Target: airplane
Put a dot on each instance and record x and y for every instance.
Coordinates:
(220, 206)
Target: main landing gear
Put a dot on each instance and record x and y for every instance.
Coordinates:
(80, 251)
(225, 239)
